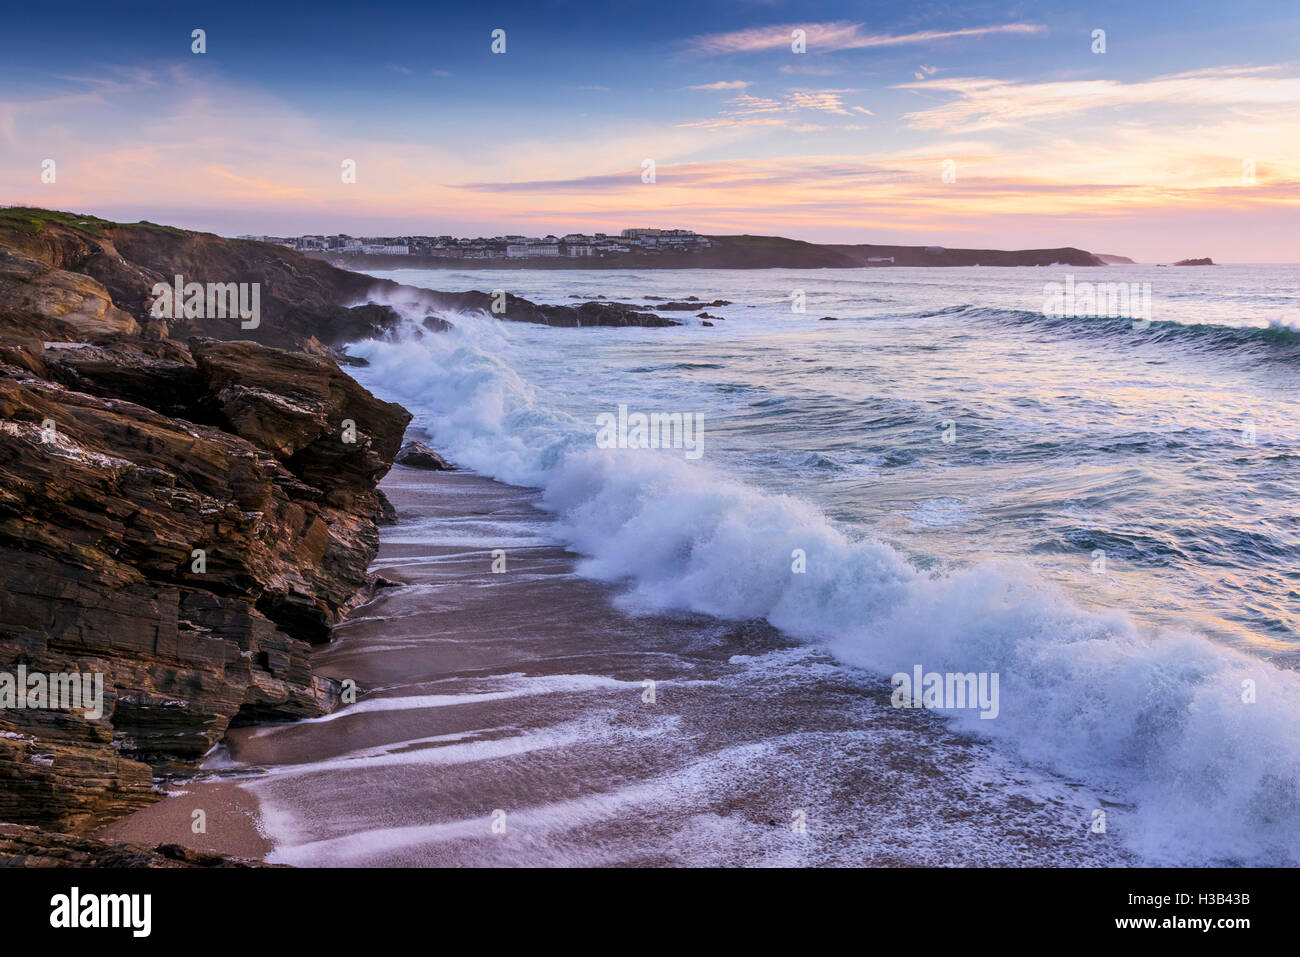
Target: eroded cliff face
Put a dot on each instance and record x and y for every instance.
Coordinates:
(182, 514)
(100, 277)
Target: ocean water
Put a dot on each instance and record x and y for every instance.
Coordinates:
(1106, 516)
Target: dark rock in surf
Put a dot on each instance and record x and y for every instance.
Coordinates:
(417, 455)
(687, 305)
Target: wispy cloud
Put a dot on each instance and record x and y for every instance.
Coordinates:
(749, 173)
(256, 187)
(748, 110)
(836, 35)
(983, 103)
(721, 85)
(825, 101)
(810, 69)
(79, 92)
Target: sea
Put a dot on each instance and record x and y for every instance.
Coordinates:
(905, 472)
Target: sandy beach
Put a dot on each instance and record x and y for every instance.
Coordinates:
(487, 734)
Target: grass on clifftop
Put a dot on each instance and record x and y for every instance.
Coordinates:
(33, 221)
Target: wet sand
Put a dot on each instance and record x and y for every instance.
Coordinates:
(506, 719)
(230, 821)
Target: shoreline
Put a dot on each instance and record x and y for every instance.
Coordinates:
(472, 706)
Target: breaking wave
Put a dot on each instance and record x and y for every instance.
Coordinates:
(1158, 720)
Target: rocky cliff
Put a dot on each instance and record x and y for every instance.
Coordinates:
(188, 496)
(99, 278)
(183, 512)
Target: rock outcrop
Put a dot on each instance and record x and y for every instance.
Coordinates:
(94, 277)
(99, 277)
(184, 515)
(31, 847)
(511, 308)
(188, 497)
(417, 455)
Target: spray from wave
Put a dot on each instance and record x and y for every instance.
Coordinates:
(1200, 741)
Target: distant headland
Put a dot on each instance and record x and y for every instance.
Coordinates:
(645, 248)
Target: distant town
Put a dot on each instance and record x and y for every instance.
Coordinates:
(651, 248)
(642, 241)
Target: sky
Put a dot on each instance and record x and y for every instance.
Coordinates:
(977, 125)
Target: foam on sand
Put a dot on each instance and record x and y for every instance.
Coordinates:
(1159, 717)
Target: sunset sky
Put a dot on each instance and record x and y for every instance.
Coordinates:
(1143, 150)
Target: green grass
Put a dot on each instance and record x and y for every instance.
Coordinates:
(158, 227)
(33, 222)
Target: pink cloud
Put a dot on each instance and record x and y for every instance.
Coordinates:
(837, 35)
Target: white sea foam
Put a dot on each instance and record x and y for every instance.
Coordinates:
(507, 686)
(1156, 717)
